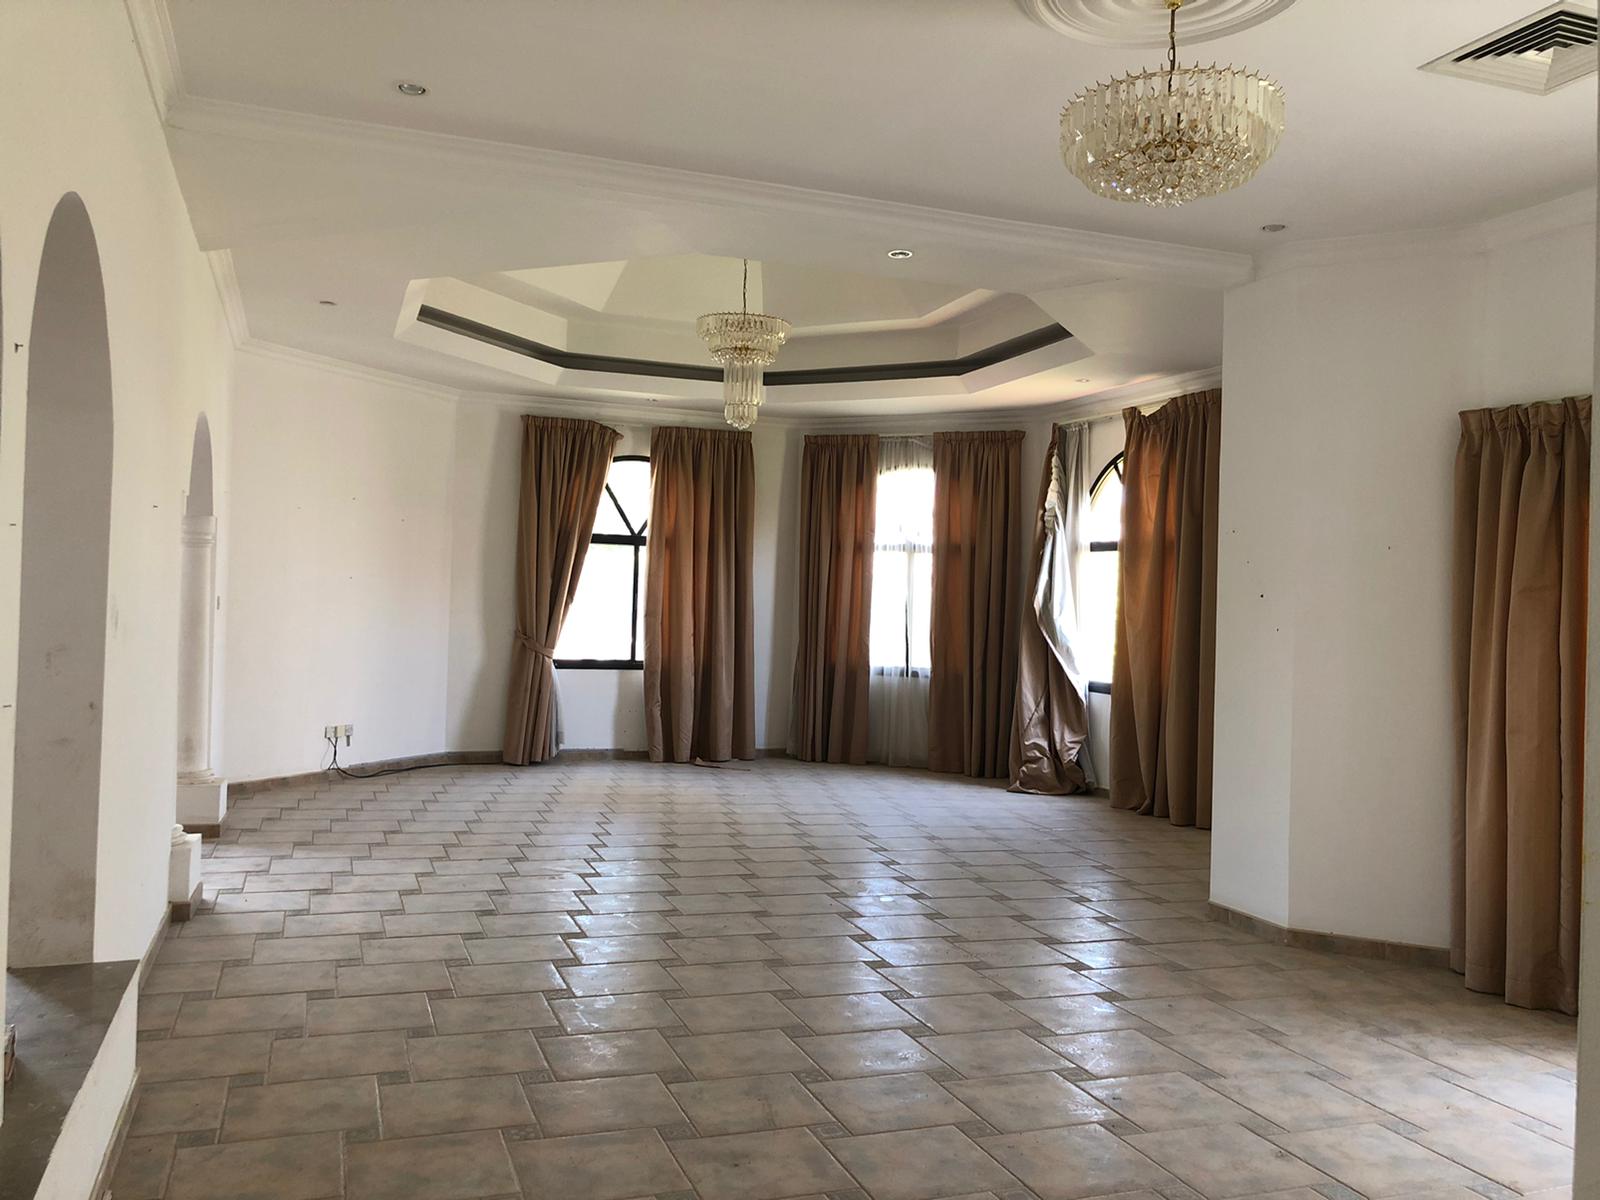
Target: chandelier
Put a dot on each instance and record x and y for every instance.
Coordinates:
(1164, 137)
(745, 343)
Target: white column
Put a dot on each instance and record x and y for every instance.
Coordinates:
(201, 796)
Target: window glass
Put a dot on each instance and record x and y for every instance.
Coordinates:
(902, 572)
(1097, 575)
(605, 623)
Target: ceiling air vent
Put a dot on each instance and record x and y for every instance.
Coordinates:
(1545, 50)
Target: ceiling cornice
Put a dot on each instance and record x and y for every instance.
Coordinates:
(276, 352)
(158, 51)
(222, 274)
(526, 166)
(1564, 212)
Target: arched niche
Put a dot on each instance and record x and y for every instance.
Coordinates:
(66, 541)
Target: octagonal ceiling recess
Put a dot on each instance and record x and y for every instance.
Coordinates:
(1141, 23)
(629, 326)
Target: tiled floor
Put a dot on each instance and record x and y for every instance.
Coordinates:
(600, 981)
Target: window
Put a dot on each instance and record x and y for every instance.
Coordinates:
(605, 625)
(1097, 591)
(902, 566)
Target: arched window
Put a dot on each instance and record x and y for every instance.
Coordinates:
(604, 629)
(1097, 619)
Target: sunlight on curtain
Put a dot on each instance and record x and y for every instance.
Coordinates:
(902, 592)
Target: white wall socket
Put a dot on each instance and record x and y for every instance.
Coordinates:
(330, 732)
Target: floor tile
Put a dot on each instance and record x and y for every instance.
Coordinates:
(1374, 1160)
(451, 1166)
(452, 1105)
(749, 1104)
(920, 1164)
(1018, 1103)
(336, 1054)
(287, 1168)
(1221, 1161)
(1067, 1164)
(602, 1105)
(591, 1055)
(598, 1166)
(458, 1055)
(877, 1052)
(760, 1166)
(726, 1055)
(882, 1102)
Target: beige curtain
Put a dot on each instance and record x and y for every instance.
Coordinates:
(838, 498)
(564, 464)
(1521, 597)
(699, 613)
(1051, 731)
(1163, 678)
(976, 601)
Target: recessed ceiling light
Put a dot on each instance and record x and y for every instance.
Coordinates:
(1084, 379)
(329, 303)
(899, 254)
(411, 89)
(1273, 228)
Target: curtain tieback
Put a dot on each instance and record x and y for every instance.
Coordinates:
(533, 647)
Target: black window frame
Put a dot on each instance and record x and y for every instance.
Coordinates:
(1115, 465)
(638, 539)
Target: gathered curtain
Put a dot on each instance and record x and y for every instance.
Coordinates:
(902, 587)
(564, 465)
(838, 499)
(976, 601)
(1520, 623)
(1050, 741)
(1163, 678)
(699, 639)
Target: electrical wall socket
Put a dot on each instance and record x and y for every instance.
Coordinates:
(331, 732)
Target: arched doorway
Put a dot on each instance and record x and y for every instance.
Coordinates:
(202, 797)
(61, 652)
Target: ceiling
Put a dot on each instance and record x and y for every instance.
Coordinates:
(817, 134)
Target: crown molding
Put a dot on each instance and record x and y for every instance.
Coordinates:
(277, 352)
(526, 166)
(1552, 216)
(222, 274)
(158, 51)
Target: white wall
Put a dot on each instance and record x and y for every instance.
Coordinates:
(1342, 381)
(170, 357)
(339, 567)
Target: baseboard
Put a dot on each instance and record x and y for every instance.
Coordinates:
(119, 1137)
(1331, 943)
(447, 758)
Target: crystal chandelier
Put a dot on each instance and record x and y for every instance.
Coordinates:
(1164, 137)
(745, 343)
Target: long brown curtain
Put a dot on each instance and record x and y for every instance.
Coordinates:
(1051, 726)
(1521, 598)
(564, 464)
(838, 499)
(699, 612)
(1163, 678)
(976, 601)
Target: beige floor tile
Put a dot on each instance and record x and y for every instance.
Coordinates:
(760, 1166)
(178, 1107)
(591, 1055)
(458, 1055)
(203, 1057)
(451, 1166)
(1171, 1101)
(200, 1018)
(598, 1166)
(1522, 1160)
(603, 1105)
(747, 1105)
(1120, 1052)
(453, 1105)
(361, 1014)
(142, 1168)
(876, 1052)
(483, 1014)
(1375, 1161)
(314, 1106)
(920, 1164)
(610, 1014)
(994, 1052)
(727, 1014)
(337, 1054)
(287, 1168)
(1018, 1103)
(595, 907)
(883, 1102)
(1080, 1161)
(1221, 1161)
